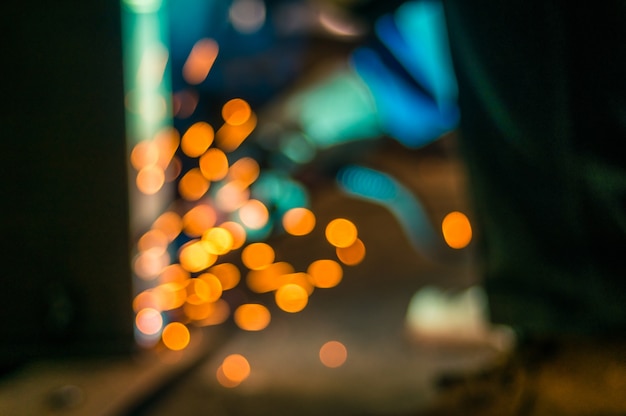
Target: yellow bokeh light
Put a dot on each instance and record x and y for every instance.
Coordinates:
(236, 368)
(217, 240)
(352, 255)
(325, 273)
(200, 61)
(199, 219)
(341, 232)
(254, 214)
(214, 164)
(252, 317)
(197, 139)
(150, 179)
(175, 336)
(193, 185)
(291, 298)
(236, 112)
(227, 273)
(149, 321)
(256, 256)
(170, 223)
(298, 221)
(237, 231)
(457, 230)
(194, 258)
(333, 354)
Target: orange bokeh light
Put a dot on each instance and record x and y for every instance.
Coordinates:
(236, 112)
(200, 61)
(214, 287)
(227, 273)
(325, 273)
(298, 221)
(352, 255)
(237, 231)
(169, 223)
(457, 230)
(333, 354)
(254, 214)
(214, 164)
(149, 321)
(246, 170)
(291, 298)
(176, 336)
(217, 240)
(194, 258)
(150, 179)
(197, 139)
(145, 153)
(193, 185)
(199, 219)
(236, 368)
(269, 278)
(341, 232)
(252, 317)
(256, 256)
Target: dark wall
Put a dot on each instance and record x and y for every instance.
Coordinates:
(65, 285)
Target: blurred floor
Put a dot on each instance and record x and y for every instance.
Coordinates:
(385, 372)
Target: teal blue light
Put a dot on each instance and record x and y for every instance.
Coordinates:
(339, 110)
(297, 147)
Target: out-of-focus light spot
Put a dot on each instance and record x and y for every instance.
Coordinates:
(245, 170)
(252, 317)
(144, 6)
(175, 336)
(341, 232)
(199, 311)
(153, 239)
(333, 354)
(145, 153)
(199, 291)
(254, 214)
(152, 107)
(219, 314)
(200, 60)
(291, 298)
(193, 185)
(247, 16)
(149, 321)
(352, 255)
(199, 219)
(256, 256)
(237, 232)
(457, 230)
(152, 65)
(236, 368)
(173, 170)
(150, 179)
(236, 112)
(229, 137)
(148, 264)
(217, 240)
(169, 223)
(298, 148)
(194, 258)
(223, 380)
(170, 295)
(339, 25)
(232, 196)
(214, 286)
(298, 221)
(145, 299)
(227, 273)
(197, 139)
(325, 273)
(269, 278)
(185, 103)
(214, 164)
(167, 140)
(301, 279)
(174, 273)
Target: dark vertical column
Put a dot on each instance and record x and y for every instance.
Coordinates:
(65, 285)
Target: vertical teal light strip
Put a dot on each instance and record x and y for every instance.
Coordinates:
(146, 68)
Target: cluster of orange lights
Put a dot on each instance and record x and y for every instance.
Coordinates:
(186, 277)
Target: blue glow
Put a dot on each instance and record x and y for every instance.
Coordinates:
(380, 188)
(407, 114)
(279, 192)
(417, 36)
(297, 147)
